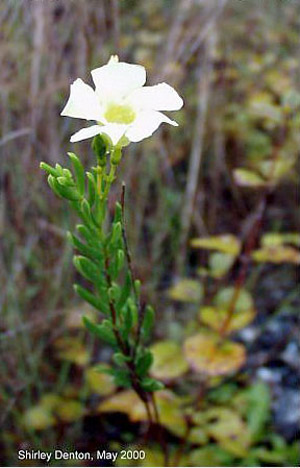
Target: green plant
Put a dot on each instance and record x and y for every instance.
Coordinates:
(104, 261)
(124, 111)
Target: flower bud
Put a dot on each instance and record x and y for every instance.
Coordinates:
(101, 145)
(116, 155)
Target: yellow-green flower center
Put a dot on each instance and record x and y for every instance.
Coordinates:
(117, 113)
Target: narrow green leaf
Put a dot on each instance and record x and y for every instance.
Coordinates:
(84, 249)
(91, 188)
(102, 331)
(120, 260)
(144, 363)
(53, 185)
(87, 269)
(116, 264)
(87, 216)
(133, 308)
(86, 209)
(114, 292)
(137, 285)
(67, 173)
(88, 234)
(116, 232)
(70, 193)
(79, 172)
(148, 321)
(122, 378)
(48, 169)
(93, 300)
(120, 359)
(118, 213)
(65, 182)
(125, 292)
(151, 385)
(127, 322)
(259, 409)
(59, 169)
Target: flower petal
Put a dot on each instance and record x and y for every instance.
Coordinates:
(159, 97)
(86, 133)
(117, 79)
(83, 102)
(114, 131)
(145, 124)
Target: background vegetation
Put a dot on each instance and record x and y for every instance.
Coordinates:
(237, 66)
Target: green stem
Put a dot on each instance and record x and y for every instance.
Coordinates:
(103, 192)
(109, 180)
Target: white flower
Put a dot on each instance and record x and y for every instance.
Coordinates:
(120, 104)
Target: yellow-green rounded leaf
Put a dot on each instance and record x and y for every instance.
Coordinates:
(129, 403)
(247, 178)
(71, 349)
(186, 290)
(214, 318)
(70, 410)
(216, 315)
(168, 360)
(278, 254)
(226, 243)
(243, 301)
(207, 355)
(228, 428)
(38, 418)
(262, 105)
(99, 382)
(170, 412)
(220, 263)
(121, 402)
(50, 401)
(198, 436)
(273, 239)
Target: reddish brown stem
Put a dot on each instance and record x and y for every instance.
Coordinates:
(246, 260)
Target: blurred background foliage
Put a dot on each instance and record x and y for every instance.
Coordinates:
(237, 66)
